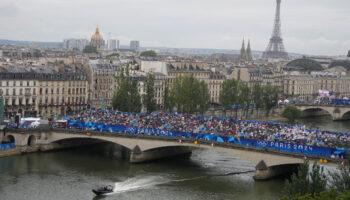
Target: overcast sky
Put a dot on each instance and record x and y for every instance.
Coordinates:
(320, 27)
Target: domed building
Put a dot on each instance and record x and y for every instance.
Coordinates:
(97, 40)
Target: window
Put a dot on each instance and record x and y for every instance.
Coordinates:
(27, 83)
(7, 83)
(34, 91)
(27, 91)
(14, 83)
(62, 90)
(46, 91)
(21, 83)
(7, 91)
(58, 91)
(14, 92)
(21, 91)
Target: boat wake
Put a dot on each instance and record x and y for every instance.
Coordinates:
(138, 182)
(144, 182)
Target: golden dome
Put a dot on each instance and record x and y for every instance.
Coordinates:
(97, 35)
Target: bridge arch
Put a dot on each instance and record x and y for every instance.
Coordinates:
(315, 111)
(78, 138)
(31, 140)
(346, 115)
(10, 138)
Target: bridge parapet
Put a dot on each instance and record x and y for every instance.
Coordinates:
(145, 147)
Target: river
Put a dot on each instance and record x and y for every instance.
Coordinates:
(71, 174)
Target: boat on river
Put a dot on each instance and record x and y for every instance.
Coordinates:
(104, 190)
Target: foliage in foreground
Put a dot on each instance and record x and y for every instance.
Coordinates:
(312, 185)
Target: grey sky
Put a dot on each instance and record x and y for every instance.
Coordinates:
(308, 26)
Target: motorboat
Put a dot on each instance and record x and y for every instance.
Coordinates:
(104, 190)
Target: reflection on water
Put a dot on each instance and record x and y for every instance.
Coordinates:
(72, 174)
(326, 123)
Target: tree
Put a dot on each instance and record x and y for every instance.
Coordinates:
(204, 97)
(113, 55)
(291, 112)
(167, 100)
(149, 53)
(244, 96)
(270, 98)
(318, 179)
(126, 97)
(149, 101)
(305, 183)
(189, 95)
(341, 178)
(257, 97)
(298, 184)
(229, 94)
(90, 49)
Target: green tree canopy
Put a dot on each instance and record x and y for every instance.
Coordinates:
(149, 101)
(90, 49)
(113, 55)
(126, 97)
(148, 53)
(291, 112)
(168, 105)
(189, 95)
(229, 94)
(270, 98)
(257, 96)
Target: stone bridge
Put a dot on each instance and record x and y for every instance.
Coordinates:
(337, 112)
(269, 163)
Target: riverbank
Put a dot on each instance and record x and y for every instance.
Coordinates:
(44, 147)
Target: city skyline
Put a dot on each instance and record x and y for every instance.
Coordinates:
(199, 24)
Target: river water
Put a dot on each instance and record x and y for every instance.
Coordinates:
(71, 174)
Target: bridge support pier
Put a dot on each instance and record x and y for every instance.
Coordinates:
(138, 156)
(262, 172)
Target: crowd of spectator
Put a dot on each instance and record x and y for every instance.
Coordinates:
(219, 126)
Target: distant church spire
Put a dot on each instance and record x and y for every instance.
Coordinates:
(249, 52)
(243, 55)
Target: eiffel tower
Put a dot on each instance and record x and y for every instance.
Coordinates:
(275, 49)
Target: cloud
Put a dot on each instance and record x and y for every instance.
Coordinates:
(182, 23)
(8, 9)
